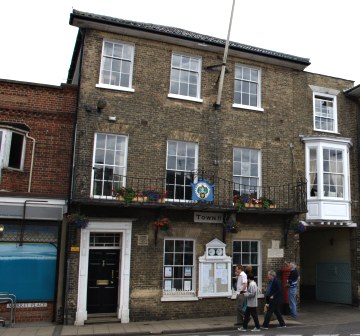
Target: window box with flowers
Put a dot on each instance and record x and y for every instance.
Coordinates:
(128, 195)
(154, 195)
(79, 220)
(249, 201)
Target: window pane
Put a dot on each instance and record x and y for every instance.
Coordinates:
(16, 150)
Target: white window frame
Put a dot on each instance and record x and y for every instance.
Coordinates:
(5, 148)
(181, 158)
(321, 144)
(168, 275)
(115, 183)
(325, 97)
(243, 166)
(181, 69)
(101, 84)
(258, 278)
(258, 84)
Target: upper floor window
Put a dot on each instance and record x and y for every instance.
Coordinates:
(325, 115)
(109, 163)
(181, 162)
(247, 87)
(327, 171)
(12, 149)
(116, 66)
(246, 170)
(185, 77)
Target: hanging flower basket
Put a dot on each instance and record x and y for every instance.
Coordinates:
(162, 223)
(80, 221)
(300, 228)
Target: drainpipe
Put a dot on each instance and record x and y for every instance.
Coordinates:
(223, 67)
(32, 160)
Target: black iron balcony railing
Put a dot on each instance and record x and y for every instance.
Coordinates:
(176, 190)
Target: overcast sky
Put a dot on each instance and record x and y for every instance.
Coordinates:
(37, 40)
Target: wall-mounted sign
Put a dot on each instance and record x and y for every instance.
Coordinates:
(75, 248)
(275, 251)
(208, 217)
(143, 240)
(202, 191)
(29, 305)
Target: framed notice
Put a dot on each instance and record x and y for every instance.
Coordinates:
(215, 280)
(167, 285)
(168, 272)
(187, 272)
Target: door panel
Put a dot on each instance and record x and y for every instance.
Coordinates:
(333, 282)
(103, 280)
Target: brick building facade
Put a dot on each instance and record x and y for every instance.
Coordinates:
(147, 121)
(36, 132)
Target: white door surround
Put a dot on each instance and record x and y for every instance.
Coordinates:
(123, 227)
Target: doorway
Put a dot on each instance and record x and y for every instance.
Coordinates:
(112, 242)
(103, 281)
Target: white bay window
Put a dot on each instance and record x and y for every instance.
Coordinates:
(328, 176)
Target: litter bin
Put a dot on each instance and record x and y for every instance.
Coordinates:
(285, 271)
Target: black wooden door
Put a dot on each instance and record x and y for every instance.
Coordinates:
(103, 280)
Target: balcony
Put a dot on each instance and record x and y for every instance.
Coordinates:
(176, 192)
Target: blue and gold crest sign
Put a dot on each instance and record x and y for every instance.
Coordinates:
(202, 191)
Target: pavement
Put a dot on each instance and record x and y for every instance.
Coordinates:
(309, 314)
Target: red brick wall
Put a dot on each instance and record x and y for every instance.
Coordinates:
(39, 314)
(49, 112)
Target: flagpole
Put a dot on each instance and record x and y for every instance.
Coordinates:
(223, 67)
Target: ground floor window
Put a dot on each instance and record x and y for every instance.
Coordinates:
(178, 272)
(28, 270)
(248, 253)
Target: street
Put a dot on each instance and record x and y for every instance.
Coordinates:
(346, 329)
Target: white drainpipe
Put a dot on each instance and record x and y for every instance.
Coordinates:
(32, 160)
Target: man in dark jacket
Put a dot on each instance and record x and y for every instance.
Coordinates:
(292, 283)
(274, 300)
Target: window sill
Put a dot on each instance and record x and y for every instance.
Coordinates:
(247, 107)
(113, 87)
(197, 100)
(326, 131)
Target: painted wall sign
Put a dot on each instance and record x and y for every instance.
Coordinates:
(202, 191)
(208, 217)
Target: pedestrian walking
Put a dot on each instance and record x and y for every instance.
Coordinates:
(251, 296)
(274, 300)
(292, 283)
(241, 287)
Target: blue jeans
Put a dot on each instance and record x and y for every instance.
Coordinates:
(292, 301)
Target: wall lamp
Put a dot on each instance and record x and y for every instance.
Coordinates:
(2, 229)
(100, 105)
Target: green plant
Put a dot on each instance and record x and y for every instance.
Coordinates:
(127, 193)
(266, 202)
(81, 221)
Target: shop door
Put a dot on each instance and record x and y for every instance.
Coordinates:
(103, 280)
